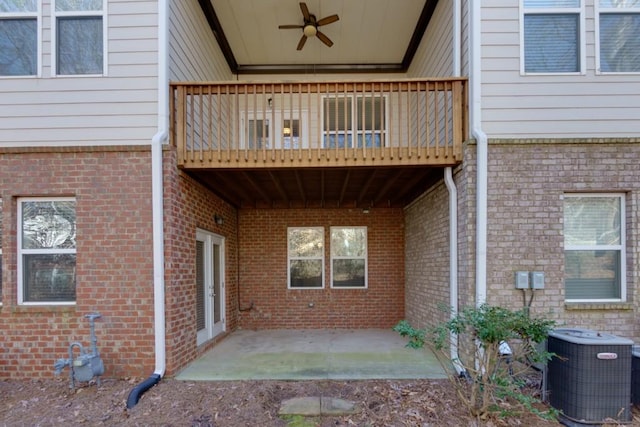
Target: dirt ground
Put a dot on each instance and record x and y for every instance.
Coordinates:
(235, 403)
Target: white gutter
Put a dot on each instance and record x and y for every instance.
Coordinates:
(482, 150)
(157, 207)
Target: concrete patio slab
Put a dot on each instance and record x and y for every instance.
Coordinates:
(312, 355)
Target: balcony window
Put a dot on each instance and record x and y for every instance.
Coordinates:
(258, 131)
(306, 257)
(619, 36)
(80, 35)
(19, 37)
(594, 237)
(354, 121)
(552, 36)
(47, 251)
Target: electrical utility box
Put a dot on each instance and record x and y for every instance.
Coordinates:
(589, 378)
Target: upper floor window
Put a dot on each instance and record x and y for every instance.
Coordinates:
(19, 37)
(594, 247)
(79, 36)
(551, 36)
(354, 121)
(619, 36)
(46, 250)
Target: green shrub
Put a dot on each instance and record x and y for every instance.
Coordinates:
(492, 378)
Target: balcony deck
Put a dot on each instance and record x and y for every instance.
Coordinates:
(386, 123)
(319, 144)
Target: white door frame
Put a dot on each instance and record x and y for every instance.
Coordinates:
(214, 300)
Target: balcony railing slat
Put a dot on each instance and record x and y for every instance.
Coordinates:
(348, 123)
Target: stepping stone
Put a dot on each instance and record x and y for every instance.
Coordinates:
(316, 406)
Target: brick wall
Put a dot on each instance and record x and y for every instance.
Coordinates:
(189, 206)
(263, 271)
(527, 181)
(427, 257)
(114, 271)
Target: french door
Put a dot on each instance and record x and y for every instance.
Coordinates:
(210, 316)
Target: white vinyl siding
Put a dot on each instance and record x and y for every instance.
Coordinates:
(194, 54)
(513, 105)
(434, 57)
(118, 109)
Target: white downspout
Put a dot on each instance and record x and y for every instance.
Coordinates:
(157, 195)
(453, 204)
(157, 187)
(482, 153)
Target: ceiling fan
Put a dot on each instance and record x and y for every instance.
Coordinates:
(310, 27)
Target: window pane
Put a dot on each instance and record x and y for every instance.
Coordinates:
(18, 47)
(78, 5)
(80, 45)
(373, 113)
(49, 278)
(305, 242)
(592, 274)
(620, 3)
(49, 225)
(592, 221)
(620, 42)
(348, 273)
(337, 114)
(306, 273)
(348, 242)
(551, 3)
(18, 6)
(551, 43)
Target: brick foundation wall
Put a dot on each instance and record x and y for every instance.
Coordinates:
(114, 271)
(189, 206)
(527, 181)
(427, 257)
(263, 272)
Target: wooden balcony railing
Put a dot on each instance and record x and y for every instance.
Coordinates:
(346, 123)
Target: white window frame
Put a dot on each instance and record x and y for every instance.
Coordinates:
(365, 257)
(292, 258)
(620, 247)
(582, 44)
(37, 15)
(276, 120)
(354, 132)
(22, 251)
(599, 11)
(71, 14)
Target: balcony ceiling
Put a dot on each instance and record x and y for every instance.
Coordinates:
(370, 35)
(320, 187)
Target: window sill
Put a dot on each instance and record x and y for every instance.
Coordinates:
(598, 306)
(18, 309)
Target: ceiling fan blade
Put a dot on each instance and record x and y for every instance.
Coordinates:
(301, 42)
(289, 27)
(327, 20)
(324, 39)
(305, 12)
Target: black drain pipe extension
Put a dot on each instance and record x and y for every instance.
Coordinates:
(136, 392)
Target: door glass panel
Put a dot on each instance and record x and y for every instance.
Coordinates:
(217, 285)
